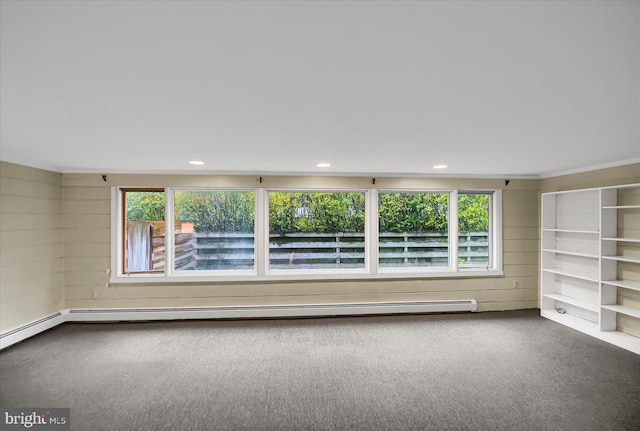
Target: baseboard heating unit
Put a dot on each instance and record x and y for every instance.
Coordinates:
(30, 329)
(23, 332)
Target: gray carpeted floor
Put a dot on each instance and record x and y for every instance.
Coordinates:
(484, 371)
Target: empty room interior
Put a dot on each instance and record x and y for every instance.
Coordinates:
(320, 215)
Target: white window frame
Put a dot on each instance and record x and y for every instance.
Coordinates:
(426, 270)
(328, 272)
(117, 243)
(261, 271)
(210, 273)
(492, 247)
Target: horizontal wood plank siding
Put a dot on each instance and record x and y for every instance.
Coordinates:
(31, 244)
(62, 223)
(87, 250)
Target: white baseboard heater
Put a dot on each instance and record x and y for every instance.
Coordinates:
(23, 332)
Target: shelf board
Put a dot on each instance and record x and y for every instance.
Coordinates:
(595, 232)
(581, 276)
(623, 258)
(573, 301)
(622, 186)
(622, 309)
(617, 338)
(571, 253)
(572, 321)
(622, 239)
(632, 285)
(620, 207)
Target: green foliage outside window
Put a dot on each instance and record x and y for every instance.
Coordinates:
(473, 212)
(320, 212)
(213, 211)
(413, 212)
(145, 206)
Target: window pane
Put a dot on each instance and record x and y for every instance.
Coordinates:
(413, 229)
(143, 232)
(473, 229)
(214, 230)
(313, 230)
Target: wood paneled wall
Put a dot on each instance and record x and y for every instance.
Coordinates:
(56, 233)
(87, 251)
(31, 244)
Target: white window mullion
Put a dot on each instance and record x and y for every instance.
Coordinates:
(495, 231)
(117, 225)
(265, 230)
(261, 231)
(453, 230)
(169, 233)
(371, 231)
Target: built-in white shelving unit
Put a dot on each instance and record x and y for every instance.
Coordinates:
(590, 263)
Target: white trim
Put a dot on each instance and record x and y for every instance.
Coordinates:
(259, 262)
(169, 232)
(454, 234)
(497, 229)
(368, 219)
(372, 227)
(620, 339)
(622, 186)
(589, 168)
(15, 335)
(317, 275)
(116, 242)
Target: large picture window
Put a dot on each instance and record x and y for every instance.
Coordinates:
(197, 234)
(316, 230)
(413, 229)
(214, 230)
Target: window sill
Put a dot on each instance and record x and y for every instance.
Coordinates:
(219, 279)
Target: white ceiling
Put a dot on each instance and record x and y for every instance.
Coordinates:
(489, 88)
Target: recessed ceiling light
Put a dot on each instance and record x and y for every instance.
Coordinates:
(196, 162)
(323, 165)
(440, 167)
